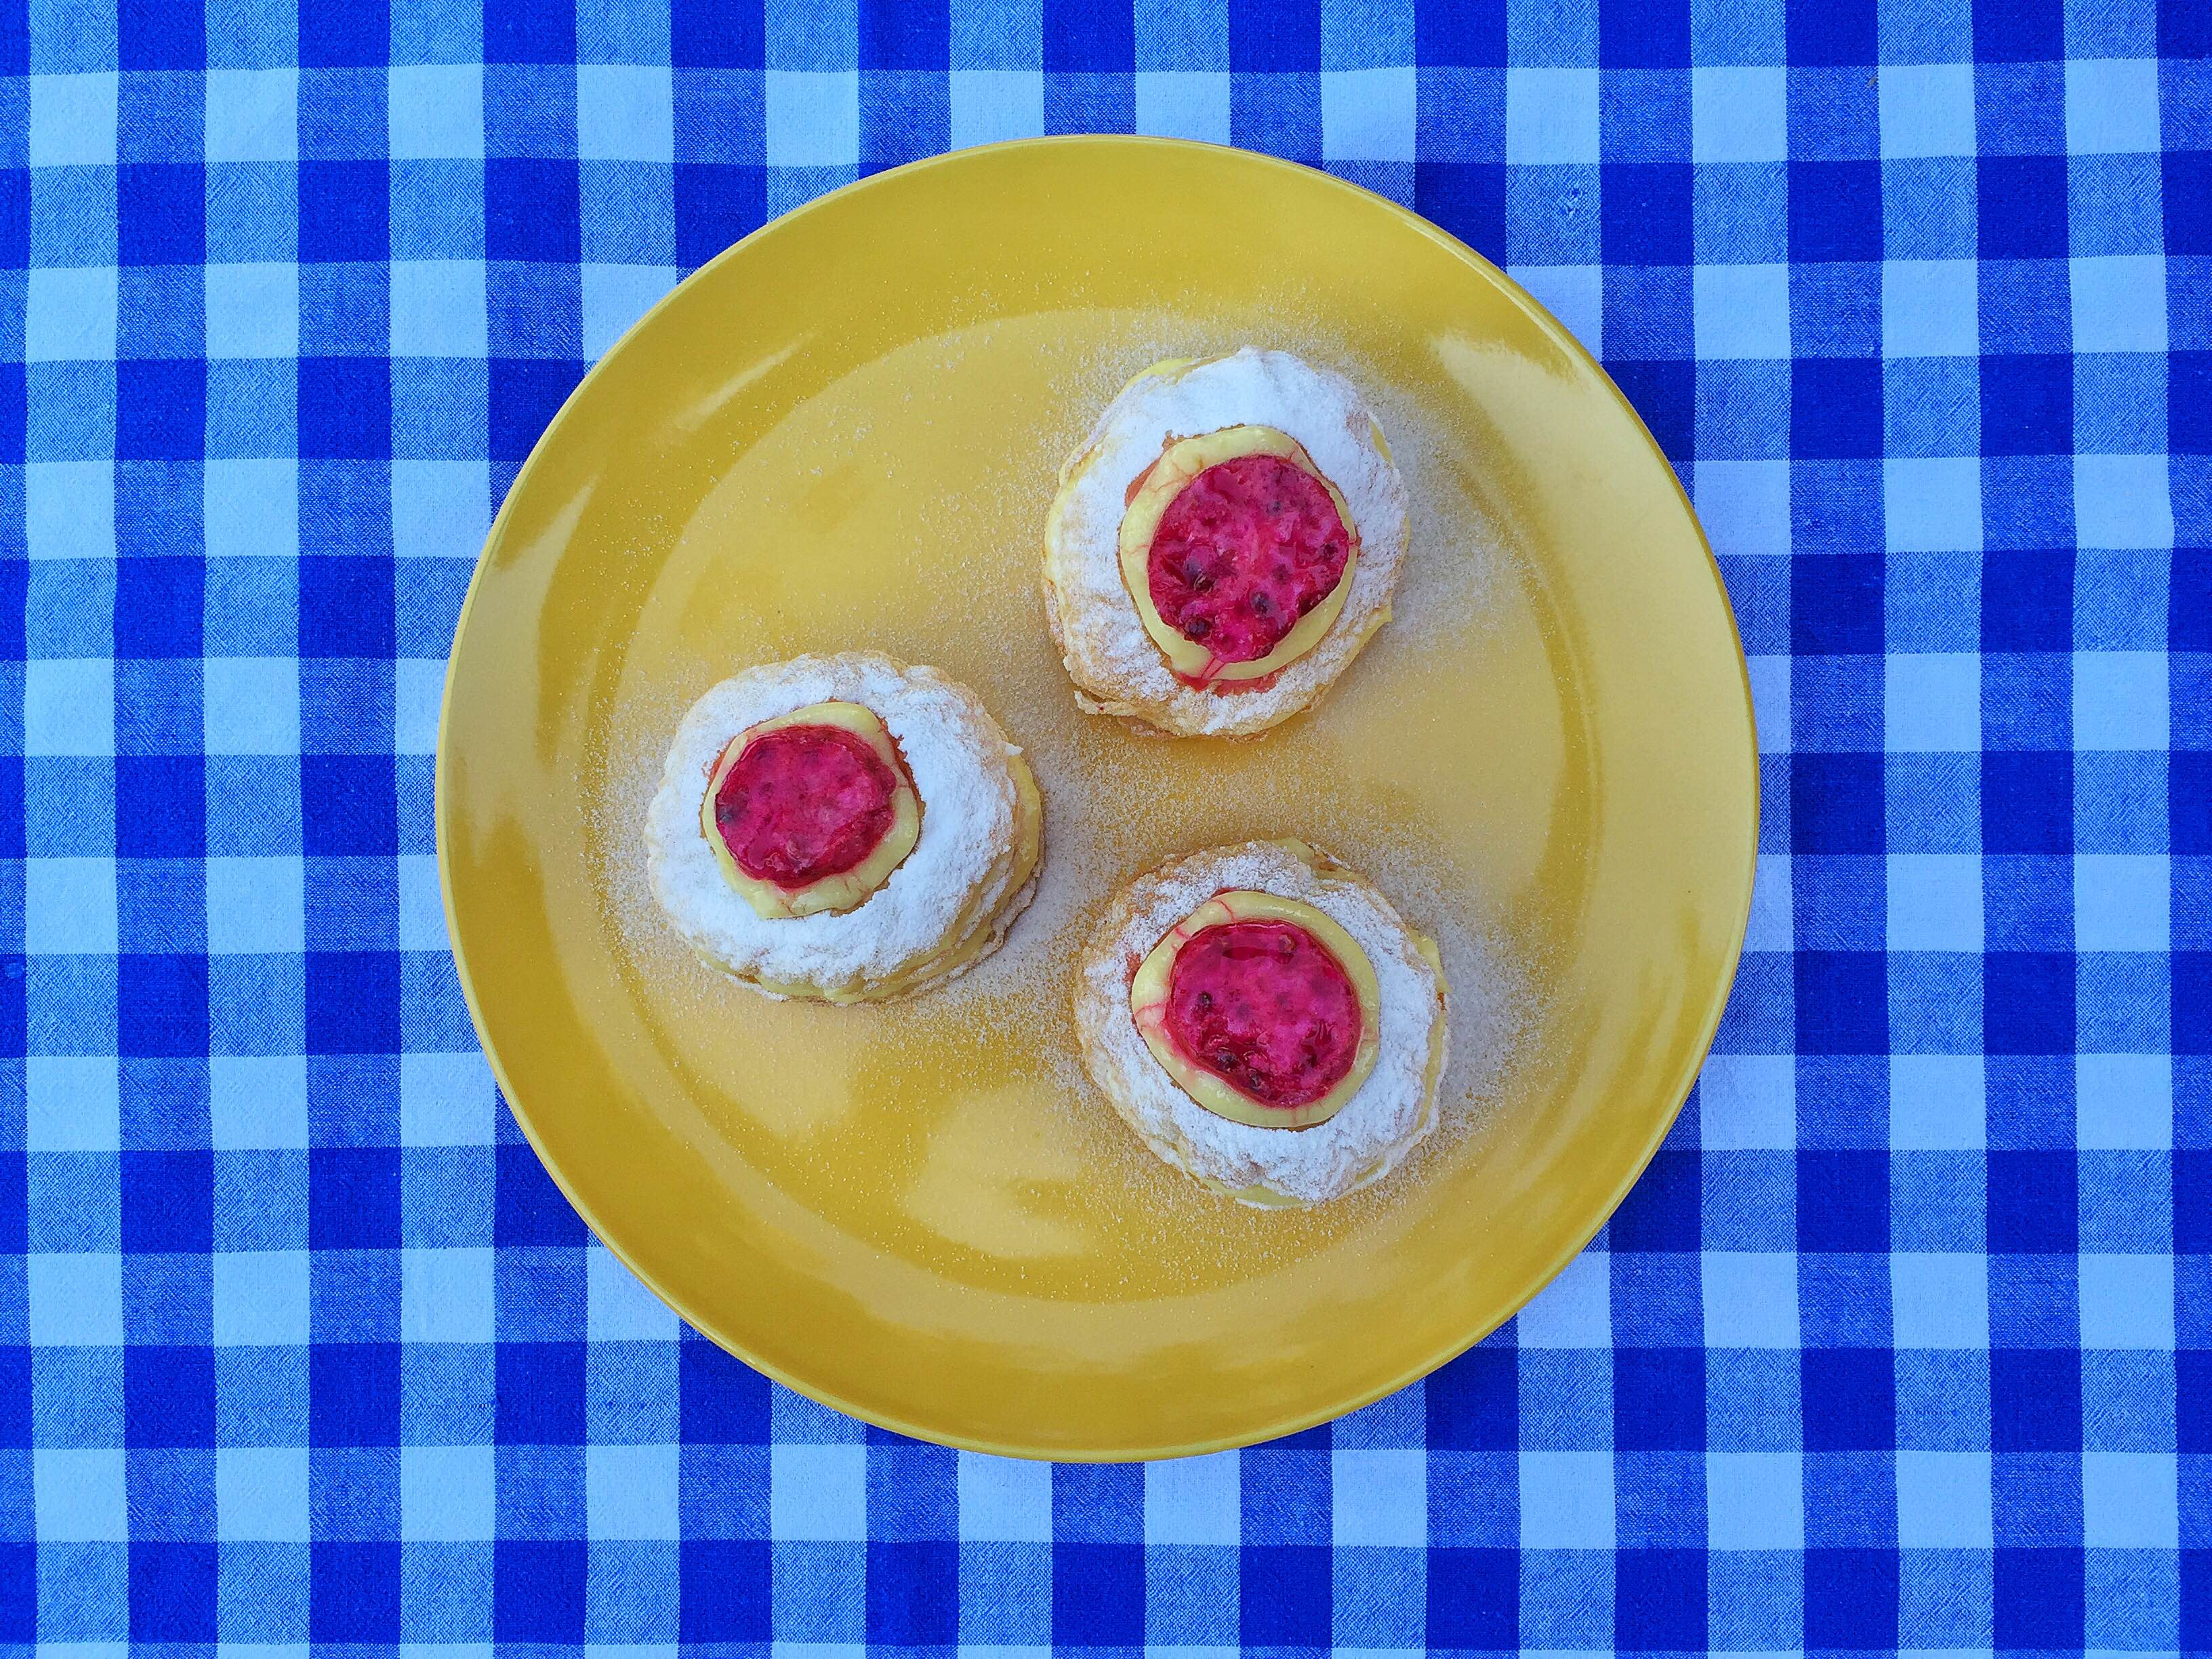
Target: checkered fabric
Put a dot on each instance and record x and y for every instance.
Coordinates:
(1903, 1343)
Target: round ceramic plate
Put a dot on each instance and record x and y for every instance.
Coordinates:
(843, 434)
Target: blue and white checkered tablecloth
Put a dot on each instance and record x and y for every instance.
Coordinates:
(1901, 1344)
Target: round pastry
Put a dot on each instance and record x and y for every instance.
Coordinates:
(843, 828)
(1223, 543)
(1266, 1021)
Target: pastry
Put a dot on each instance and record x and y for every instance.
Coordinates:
(842, 827)
(1223, 544)
(1266, 1021)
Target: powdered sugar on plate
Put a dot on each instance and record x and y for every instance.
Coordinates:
(988, 1062)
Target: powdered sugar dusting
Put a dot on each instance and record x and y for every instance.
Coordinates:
(1377, 1127)
(960, 868)
(984, 1072)
(1107, 651)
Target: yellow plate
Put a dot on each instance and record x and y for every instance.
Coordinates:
(844, 433)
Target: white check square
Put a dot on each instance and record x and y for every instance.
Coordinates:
(72, 120)
(251, 508)
(2123, 1102)
(258, 1103)
(1741, 311)
(2123, 902)
(261, 1494)
(1755, 1500)
(438, 308)
(78, 1496)
(435, 111)
(631, 1491)
(422, 905)
(1745, 506)
(819, 1492)
(1551, 116)
(439, 509)
(253, 309)
(617, 1306)
(1773, 925)
(69, 315)
(445, 1099)
(2122, 501)
(2127, 1302)
(253, 114)
(1379, 1498)
(625, 112)
(2120, 302)
(1939, 1299)
(72, 1103)
(1943, 1500)
(1938, 1104)
(1748, 1102)
(1930, 307)
(2120, 700)
(1567, 1500)
(1932, 505)
(1934, 901)
(69, 707)
(2111, 106)
(989, 105)
(68, 907)
(1932, 702)
(1739, 113)
(1751, 1298)
(68, 509)
(1194, 1500)
(1004, 1499)
(813, 117)
(75, 1299)
(260, 1299)
(256, 906)
(419, 687)
(446, 1296)
(2130, 1500)
(1368, 114)
(1183, 104)
(1771, 696)
(1926, 109)
(614, 296)
(250, 705)
(447, 1494)
(1575, 1311)
(1574, 295)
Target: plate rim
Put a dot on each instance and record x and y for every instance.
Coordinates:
(1678, 1088)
